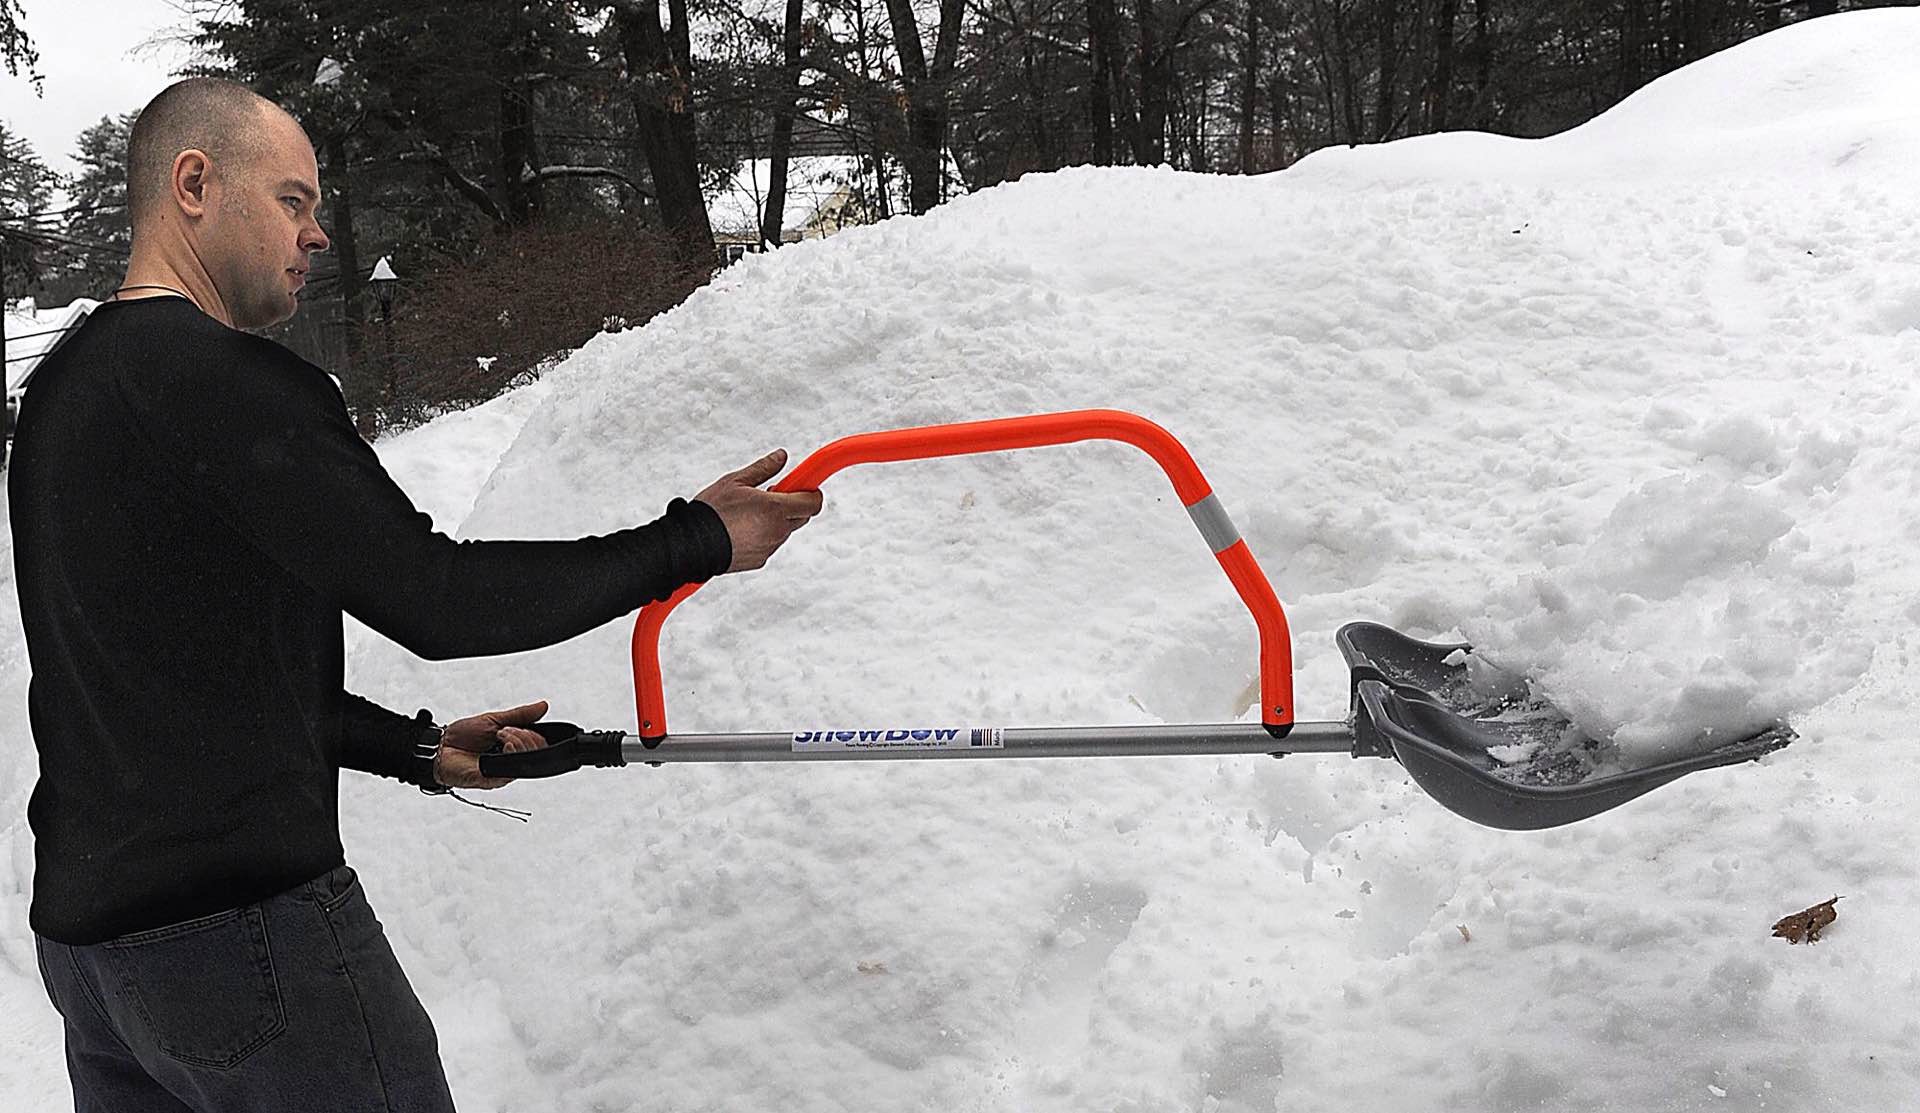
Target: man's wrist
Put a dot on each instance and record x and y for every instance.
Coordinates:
(426, 749)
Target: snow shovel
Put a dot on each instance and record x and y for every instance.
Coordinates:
(1498, 762)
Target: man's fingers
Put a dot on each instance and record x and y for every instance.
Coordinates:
(516, 740)
(460, 769)
(763, 469)
(522, 715)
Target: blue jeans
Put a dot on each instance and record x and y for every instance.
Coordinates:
(293, 1003)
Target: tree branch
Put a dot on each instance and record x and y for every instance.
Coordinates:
(551, 173)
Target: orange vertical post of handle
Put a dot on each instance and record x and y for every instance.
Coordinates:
(973, 437)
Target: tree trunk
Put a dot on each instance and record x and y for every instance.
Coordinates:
(1102, 36)
(927, 91)
(518, 160)
(1344, 50)
(1284, 125)
(1483, 77)
(362, 385)
(1249, 87)
(1113, 105)
(773, 219)
(1633, 45)
(660, 73)
(1440, 93)
(1704, 19)
(1035, 107)
(1383, 93)
(1156, 90)
(1321, 58)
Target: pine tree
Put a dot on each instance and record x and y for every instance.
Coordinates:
(30, 247)
(98, 197)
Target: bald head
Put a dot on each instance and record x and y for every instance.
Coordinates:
(226, 120)
(224, 193)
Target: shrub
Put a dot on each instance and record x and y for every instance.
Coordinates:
(468, 331)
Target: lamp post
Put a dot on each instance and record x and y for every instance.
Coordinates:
(383, 283)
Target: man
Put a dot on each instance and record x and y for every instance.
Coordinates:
(192, 512)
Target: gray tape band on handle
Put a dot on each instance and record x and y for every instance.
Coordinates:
(1214, 524)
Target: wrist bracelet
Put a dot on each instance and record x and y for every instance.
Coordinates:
(426, 746)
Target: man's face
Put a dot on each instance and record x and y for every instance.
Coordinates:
(263, 227)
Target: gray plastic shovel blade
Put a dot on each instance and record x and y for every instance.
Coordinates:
(1502, 764)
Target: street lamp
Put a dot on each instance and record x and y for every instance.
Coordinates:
(383, 282)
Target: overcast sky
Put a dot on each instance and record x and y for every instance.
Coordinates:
(99, 58)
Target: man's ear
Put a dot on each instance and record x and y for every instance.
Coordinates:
(192, 173)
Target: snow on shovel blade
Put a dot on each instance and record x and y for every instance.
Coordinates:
(1516, 767)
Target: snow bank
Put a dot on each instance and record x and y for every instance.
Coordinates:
(1696, 615)
(1518, 348)
(1650, 437)
(1832, 97)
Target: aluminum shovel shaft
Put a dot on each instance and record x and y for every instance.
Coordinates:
(569, 747)
(976, 742)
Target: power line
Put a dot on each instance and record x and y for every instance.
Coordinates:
(49, 239)
(11, 337)
(49, 214)
(39, 354)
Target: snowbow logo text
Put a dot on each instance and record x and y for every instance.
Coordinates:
(842, 737)
(899, 738)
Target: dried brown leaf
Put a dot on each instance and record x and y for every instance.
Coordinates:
(1805, 926)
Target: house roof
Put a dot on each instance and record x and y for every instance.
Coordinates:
(33, 333)
(812, 184)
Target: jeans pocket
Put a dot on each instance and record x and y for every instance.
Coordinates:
(205, 988)
(337, 887)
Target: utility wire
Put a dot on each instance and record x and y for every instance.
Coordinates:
(49, 239)
(11, 337)
(49, 214)
(33, 355)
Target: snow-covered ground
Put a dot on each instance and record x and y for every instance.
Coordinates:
(1633, 407)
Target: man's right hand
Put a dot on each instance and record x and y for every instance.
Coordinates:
(758, 522)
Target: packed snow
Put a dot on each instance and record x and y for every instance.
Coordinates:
(1631, 409)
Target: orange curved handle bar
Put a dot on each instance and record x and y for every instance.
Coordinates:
(972, 437)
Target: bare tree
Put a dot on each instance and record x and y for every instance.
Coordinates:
(772, 217)
(660, 83)
(927, 87)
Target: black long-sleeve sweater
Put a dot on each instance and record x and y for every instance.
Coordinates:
(192, 511)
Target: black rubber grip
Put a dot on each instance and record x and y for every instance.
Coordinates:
(568, 748)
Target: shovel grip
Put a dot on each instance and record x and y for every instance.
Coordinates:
(973, 437)
(568, 748)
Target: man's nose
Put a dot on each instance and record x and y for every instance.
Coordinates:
(316, 241)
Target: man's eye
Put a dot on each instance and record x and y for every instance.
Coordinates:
(293, 201)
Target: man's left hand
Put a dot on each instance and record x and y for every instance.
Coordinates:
(457, 764)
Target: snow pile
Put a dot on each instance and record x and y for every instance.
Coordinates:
(1695, 616)
(1833, 99)
(1524, 350)
(1650, 438)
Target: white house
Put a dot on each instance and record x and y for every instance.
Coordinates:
(824, 194)
(32, 333)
